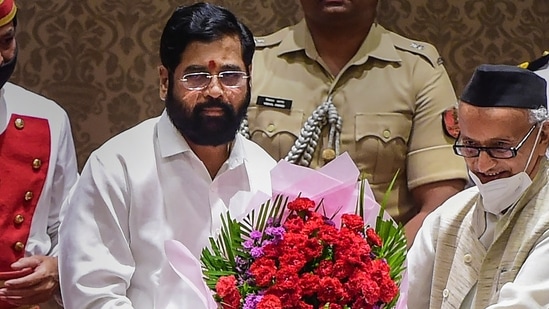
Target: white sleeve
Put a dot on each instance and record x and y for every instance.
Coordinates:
(421, 260)
(95, 261)
(530, 289)
(65, 175)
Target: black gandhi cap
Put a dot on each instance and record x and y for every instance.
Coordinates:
(505, 86)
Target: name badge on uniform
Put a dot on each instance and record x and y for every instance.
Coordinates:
(274, 102)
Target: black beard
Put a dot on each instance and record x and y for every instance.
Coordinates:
(206, 130)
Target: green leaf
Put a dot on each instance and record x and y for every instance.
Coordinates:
(393, 249)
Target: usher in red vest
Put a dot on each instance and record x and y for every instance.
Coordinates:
(24, 159)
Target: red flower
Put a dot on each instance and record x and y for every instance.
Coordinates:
(293, 224)
(315, 265)
(292, 259)
(372, 237)
(301, 203)
(311, 248)
(389, 290)
(353, 222)
(324, 268)
(342, 269)
(263, 271)
(269, 301)
(272, 251)
(309, 284)
(363, 290)
(227, 290)
(332, 290)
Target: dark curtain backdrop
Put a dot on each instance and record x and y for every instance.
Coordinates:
(98, 58)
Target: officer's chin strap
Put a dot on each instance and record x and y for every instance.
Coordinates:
(304, 147)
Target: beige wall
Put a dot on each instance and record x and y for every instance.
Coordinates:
(98, 58)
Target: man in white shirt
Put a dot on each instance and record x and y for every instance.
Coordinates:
(166, 177)
(487, 246)
(37, 169)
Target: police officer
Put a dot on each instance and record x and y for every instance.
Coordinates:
(338, 81)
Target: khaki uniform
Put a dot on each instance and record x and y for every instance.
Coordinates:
(390, 97)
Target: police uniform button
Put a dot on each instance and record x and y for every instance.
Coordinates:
(386, 133)
(18, 219)
(445, 293)
(19, 123)
(36, 164)
(271, 127)
(328, 154)
(467, 258)
(19, 246)
(29, 195)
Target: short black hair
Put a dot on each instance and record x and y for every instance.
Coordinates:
(202, 22)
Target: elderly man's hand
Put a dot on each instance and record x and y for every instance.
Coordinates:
(37, 287)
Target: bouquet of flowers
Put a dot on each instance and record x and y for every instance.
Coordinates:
(321, 241)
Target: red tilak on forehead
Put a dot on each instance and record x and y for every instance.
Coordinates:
(211, 65)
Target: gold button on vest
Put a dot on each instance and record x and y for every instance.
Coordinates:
(19, 246)
(36, 163)
(29, 195)
(19, 123)
(18, 219)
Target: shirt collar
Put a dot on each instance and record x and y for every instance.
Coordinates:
(378, 44)
(171, 142)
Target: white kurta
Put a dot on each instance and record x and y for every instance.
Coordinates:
(529, 289)
(62, 171)
(141, 188)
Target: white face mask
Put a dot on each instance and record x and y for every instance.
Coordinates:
(500, 194)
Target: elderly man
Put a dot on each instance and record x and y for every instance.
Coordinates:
(338, 81)
(37, 169)
(486, 247)
(161, 179)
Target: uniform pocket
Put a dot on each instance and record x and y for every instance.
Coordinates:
(382, 144)
(274, 130)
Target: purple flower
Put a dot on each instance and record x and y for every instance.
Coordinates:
(241, 264)
(329, 222)
(251, 301)
(276, 232)
(273, 222)
(256, 235)
(256, 252)
(248, 244)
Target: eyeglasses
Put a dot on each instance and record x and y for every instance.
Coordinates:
(494, 152)
(201, 80)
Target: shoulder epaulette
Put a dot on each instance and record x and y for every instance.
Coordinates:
(271, 39)
(423, 49)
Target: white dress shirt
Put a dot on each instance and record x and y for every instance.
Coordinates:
(139, 189)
